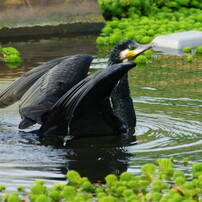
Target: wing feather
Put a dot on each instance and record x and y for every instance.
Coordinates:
(101, 83)
(18, 88)
(49, 88)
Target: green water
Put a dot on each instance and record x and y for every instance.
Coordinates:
(167, 95)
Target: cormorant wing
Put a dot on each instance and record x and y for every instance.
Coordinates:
(46, 91)
(17, 89)
(91, 94)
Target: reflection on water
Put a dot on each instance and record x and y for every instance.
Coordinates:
(96, 157)
(167, 99)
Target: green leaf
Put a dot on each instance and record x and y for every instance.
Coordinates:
(74, 177)
(199, 49)
(187, 49)
(111, 179)
(141, 59)
(126, 176)
(149, 170)
(13, 198)
(10, 51)
(165, 164)
(69, 192)
(42, 198)
(87, 186)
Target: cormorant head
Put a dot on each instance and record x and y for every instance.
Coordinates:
(126, 51)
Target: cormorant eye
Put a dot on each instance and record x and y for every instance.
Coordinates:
(131, 48)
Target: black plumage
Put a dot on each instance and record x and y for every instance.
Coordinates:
(85, 109)
(48, 89)
(64, 100)
(122, 102)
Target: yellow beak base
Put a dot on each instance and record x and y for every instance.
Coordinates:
(130, 55)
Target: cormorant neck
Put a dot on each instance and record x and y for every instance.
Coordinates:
(113, 61)
(122, 103)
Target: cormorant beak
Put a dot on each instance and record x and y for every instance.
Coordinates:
(128, 55)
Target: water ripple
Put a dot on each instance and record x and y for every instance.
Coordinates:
(165, 129)
(167, 101)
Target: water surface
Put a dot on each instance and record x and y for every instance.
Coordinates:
(167, 96)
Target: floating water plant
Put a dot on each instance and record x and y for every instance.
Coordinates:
(199, 49)
(150, 185)
(189, 58)
(187, 49)
(143, 20)
(11, 56)
(74, 177)
(21, 188)
(166, 168)
(149, 170)
(10, 51)
(185, 161)
(141, 59)
(148, 53)
(111, 179)
(2, 188)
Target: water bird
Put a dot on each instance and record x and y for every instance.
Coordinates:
(65, 101)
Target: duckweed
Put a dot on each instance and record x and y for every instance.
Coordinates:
(149, 185)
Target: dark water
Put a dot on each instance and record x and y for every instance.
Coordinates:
(167, 95)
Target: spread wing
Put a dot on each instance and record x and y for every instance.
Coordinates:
(46, 91)
(18, 88)
(90, 96)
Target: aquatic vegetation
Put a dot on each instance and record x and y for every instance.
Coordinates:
(21, 188)
(199, 49)
(187, 49)
(148, 53)
(144, 29)
(149, 170)
(74, 177)
(129, 8)
(143, 20)
(11, 56)
(2, 188)
(189, 58)
(146, 57)
(141, 59)
(157, 182)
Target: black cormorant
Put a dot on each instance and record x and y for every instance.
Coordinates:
(61, 97)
